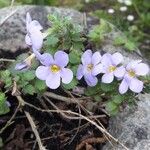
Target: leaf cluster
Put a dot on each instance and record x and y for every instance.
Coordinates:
(63, 34)
(99, 32)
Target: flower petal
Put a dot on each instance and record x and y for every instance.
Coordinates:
(86, 57)
(36, 38)
(107, 77)
(22, 66)
(28, 40)
(136, 85)
(90, 80)
(123, 87)
(35, 24)
(28, 19)
(42, 72)
(117, 58)
(132, 64)
(96, 58)
(61, 58)
(66, 75)
(79, 74)
(53, 80)
(97, 69)
(141, 69)
(47, 59)
(106, 59)
(120, 72)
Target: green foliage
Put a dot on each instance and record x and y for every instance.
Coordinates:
(127, 43)
(71, 85)
(3, 105)
(74, 57)
(99, 32)
(29, 89)
(1, 142)
(64, 34)
(5, 77)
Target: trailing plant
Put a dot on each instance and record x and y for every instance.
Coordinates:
(59, 61)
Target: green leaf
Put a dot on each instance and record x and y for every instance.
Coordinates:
(90, 91)
(119, 40)
(71, 85)
(52, 40)
(29, 89)
(3, 106)
(74, 57)
(74, 69)
(107, 87)
(97, 98)
(28, 75)
(2, 98)
(1, 142)
(130, 45)
(112, 108)
(40, 85)
(118, 99)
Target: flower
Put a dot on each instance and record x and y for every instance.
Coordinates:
(25, 64)
(110, 63)
(111, 11)
(53, 69)
(34, 35)
(130, 17)
(128, 2)
(120, 1)
(130, 80)
(123, 8)
(90, 67)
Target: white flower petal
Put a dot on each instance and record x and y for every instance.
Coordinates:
(119, 72)
(106, 60)
(79, 74)
(123, 87)
(107, 78)
(28, 40)
(66, 75)
(117, 58)
(136, 85)
(42, 72)
(96, 58)
(53, 80)
(90, 80)
(97, 69)
(86, 57)
(141, 69)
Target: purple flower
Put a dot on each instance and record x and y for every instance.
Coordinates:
(130, 80)
(110, 67)
(90, 67)
(34, 35)
(54, 69)
(25, 64)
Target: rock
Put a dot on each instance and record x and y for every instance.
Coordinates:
(132, 126)
(12, 31)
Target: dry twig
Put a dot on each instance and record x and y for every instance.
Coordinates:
(33, 126)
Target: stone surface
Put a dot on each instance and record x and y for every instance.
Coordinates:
(12, 32)
(132, 126)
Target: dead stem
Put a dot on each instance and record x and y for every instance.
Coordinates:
(84, 117)
(9, 122)
(90, 141)
(60, 98)
(6, 60)
(33, 126)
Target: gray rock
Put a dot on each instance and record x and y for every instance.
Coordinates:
(132, 126)
(12, 31)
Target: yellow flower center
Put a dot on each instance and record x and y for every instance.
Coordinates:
(111, 68)
(55, 68)
(131, 73)
(89, 67)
